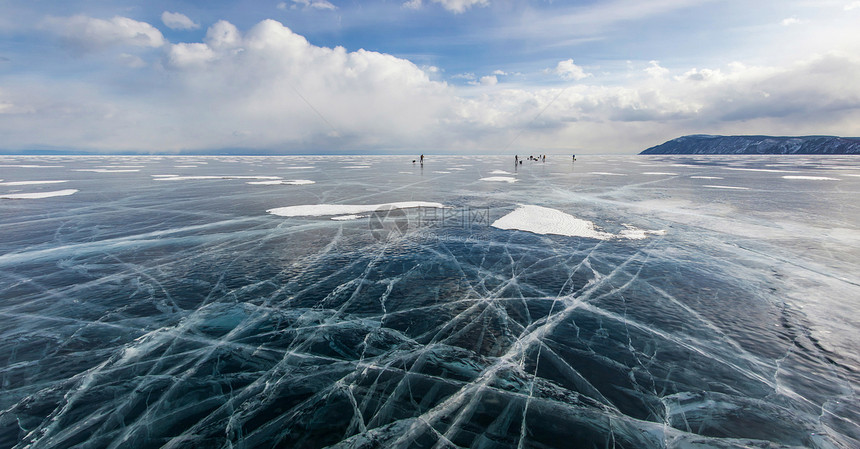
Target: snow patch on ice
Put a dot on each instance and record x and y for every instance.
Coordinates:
(543, 220)
(287, 182)
(604, 173)
(196, 178)
(726, 187)
(38, 195)
(27, 183)
(317, 210)
(706, 177)
(766, 170)
(634, 233)
(812, 178)
(659, 173)
(499, 179)
(108, 170)
(348, 217)
(29, 166)
(499, 172)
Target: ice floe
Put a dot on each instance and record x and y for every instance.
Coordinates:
(318, 210)
(38, 195)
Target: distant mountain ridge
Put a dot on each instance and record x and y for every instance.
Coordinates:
(708, 144)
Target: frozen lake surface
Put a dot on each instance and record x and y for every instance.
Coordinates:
(362, 302)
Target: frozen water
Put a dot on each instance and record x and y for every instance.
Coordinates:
(316, 210)
(139, 313)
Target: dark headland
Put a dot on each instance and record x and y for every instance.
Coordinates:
(707, 144)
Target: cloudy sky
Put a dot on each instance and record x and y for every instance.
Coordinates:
(432, 76)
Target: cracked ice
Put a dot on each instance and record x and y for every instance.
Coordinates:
(138, 313)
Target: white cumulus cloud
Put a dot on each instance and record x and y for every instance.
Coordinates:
(312, 4)
(570, 71)
(270, 89)
(223, 34)
(489, 80)
(655, 70)
(455, 6)
(178, 21)
(266, 88)
(91, 33)
(189, 55)
(132, 61)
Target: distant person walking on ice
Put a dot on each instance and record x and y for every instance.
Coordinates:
(422, 159)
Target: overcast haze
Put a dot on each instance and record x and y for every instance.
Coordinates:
(432, 76)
